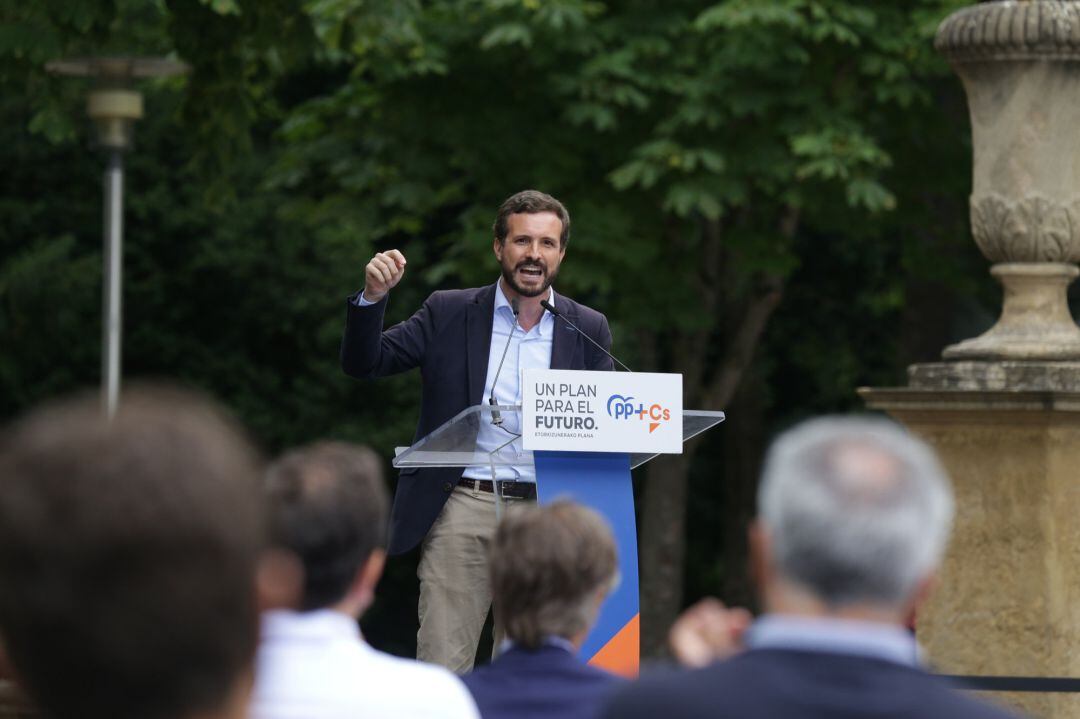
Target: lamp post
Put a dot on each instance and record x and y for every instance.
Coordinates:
(114, 106)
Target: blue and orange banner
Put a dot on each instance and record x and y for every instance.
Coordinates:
(602, 482)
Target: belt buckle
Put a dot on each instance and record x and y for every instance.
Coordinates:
(514, 489)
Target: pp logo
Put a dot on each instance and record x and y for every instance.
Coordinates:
(621, 407)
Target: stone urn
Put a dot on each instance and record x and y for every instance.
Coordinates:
(1019, 61)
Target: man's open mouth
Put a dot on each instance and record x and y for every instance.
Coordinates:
(531, 271)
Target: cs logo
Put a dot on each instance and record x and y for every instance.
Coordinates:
(621, 407)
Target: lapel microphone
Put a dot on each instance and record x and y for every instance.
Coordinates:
(551, 308)
(496, 415)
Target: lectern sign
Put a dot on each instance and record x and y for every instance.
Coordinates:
(581, 411)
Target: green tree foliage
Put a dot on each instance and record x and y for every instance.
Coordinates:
(761, 191)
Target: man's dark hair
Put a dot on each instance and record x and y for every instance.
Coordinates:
(548, 564)
(531, 202)
(328, 506)
(128, 554)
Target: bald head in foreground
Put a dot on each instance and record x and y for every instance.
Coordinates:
(854, 515)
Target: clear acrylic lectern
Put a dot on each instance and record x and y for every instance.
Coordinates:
(488, 437)
(454, 444)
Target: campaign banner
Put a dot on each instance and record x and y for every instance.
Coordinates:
(582, 411)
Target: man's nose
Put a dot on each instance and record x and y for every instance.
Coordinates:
(533, 251)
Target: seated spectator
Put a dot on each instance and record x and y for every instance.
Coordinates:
(328, 507)
(854, 517)
(551, 568)
(128, 553)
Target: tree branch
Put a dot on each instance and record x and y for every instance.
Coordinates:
(719, 391)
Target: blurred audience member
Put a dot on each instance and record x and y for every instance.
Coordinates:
(854, 517)
(128, 554)
(328, 507)
(551, 567)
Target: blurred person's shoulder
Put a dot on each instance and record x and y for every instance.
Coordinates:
(459, 296)
(417, 689)
(312, 669)
(768, 683)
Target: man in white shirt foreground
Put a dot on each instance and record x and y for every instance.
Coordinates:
(327, 506)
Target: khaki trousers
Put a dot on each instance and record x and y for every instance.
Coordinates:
(455, 589)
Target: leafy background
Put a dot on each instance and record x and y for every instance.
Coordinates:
(769, 196)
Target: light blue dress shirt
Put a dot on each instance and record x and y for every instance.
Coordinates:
(835, 636)
(527, 350)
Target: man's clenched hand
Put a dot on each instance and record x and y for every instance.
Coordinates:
(382, 274)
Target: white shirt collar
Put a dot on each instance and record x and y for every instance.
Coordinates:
(315, 624)
(549, 641)
(546, 320)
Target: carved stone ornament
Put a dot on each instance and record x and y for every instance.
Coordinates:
(1019, 61)
(1034, 229)
(1035, 323)
(1011, 30)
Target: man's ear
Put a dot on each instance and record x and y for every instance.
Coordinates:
(279, 580)
(373, 569)
(497, 246)
(362, 591)
(923, 590)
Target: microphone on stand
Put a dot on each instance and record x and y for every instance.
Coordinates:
(496, 415)
(551, 308)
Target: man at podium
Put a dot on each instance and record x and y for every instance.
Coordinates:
(471, 346)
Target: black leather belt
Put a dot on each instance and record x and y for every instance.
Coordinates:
(508, 488)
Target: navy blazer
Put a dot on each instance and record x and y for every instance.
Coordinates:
(549, 682)
(449, 339)
(770, 683)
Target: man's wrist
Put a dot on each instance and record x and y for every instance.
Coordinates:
(364, 299)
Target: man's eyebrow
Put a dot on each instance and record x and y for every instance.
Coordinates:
(521, 235)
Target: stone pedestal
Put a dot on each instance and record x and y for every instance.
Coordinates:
(1008, 601)
(1004, 410)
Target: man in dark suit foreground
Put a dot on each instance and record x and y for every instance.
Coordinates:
(551, 568)
(854, 517)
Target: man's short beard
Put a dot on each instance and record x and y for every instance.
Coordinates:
(508, 275)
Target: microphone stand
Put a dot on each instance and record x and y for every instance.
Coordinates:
(496, 416)
(551, 308)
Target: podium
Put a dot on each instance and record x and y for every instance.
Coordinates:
(599, 480)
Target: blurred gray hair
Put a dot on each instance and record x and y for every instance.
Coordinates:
(858, 510)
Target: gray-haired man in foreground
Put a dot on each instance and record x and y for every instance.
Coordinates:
(854, 517)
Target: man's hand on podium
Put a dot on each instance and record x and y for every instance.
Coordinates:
(382, 274)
